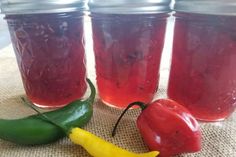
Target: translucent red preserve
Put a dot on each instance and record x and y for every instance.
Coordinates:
(127, 53)
(50, 54)
(203, 75)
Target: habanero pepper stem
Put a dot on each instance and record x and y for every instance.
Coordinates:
(138, 103)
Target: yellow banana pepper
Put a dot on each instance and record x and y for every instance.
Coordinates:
(98, 147)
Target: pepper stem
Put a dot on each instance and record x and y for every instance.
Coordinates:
(140, 104)
(92, 95)
(44, 117)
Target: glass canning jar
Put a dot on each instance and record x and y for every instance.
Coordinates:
(47, 37)
(128, 40)
(203, 75)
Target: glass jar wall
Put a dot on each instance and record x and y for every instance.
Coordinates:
(202, 75)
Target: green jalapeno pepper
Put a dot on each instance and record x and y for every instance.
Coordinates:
(34, 130)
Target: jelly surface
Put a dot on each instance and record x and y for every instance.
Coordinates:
(203, 75)
(127, 54)
(50, 55)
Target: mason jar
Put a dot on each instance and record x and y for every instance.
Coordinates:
(128, 40)
(203, 75)
(47, 37)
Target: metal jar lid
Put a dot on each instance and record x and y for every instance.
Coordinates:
(129, 6)
(40, 6)
(213, 7)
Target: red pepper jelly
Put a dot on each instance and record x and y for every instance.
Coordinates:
(50, 54)
(128, 42)
(203, 75)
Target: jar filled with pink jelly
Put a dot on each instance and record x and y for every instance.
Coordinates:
(128, 39)
(203, 70)
(47, 36)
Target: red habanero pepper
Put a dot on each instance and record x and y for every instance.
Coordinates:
(168, 127)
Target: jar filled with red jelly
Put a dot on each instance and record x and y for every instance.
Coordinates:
(128, 40)
(47, 37)
(203, 74)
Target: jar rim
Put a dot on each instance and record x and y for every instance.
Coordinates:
(129, 6)
(211, 7)
(41, 6)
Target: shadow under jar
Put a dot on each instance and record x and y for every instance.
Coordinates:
(48, 41)
(128, 41)
(203, 75)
